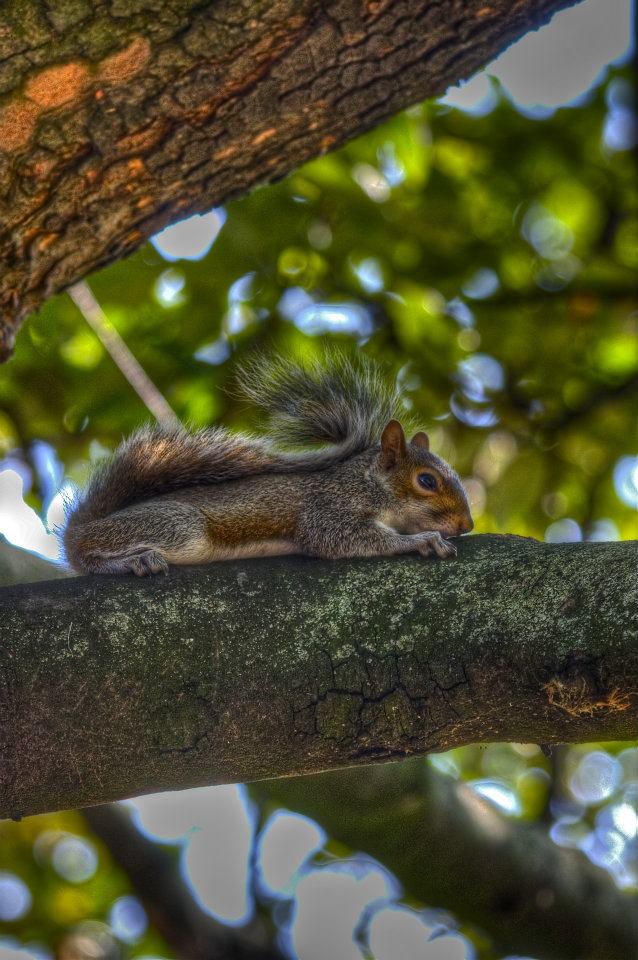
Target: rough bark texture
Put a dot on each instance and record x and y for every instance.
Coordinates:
(111, 687)
(117, 118)
(452, 849)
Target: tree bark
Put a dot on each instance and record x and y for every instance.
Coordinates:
(112, 687)
(452, 849)
(116, 119)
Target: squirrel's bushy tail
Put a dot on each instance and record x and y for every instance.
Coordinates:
(154, 461)
(340, 403)
(336, 401)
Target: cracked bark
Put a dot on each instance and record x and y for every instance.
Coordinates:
(238, 671)
(451, 849)
(117, 119)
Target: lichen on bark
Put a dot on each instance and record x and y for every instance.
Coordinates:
(245, 670)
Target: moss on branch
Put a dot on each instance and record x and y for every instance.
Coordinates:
(247, 670)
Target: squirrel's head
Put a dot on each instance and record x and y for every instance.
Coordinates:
(429, 493)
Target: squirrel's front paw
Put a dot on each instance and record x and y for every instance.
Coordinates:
(435, 543)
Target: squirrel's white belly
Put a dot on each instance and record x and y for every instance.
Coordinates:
(204, 551)
(260, 548)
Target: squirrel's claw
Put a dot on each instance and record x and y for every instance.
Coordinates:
(151, 561)
(434, 543)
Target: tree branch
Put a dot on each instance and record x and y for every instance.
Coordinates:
(113, 126)
(451, 849)
(111, 687)
(20, 566)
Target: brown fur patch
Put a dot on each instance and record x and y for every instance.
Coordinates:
(242, 527)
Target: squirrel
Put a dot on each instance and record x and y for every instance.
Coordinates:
(171, 497)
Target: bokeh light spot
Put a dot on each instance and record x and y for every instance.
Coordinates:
(127, 919)
(286, 842)
(190, 239)
(596, 777)
(15, 897)
(75, 859)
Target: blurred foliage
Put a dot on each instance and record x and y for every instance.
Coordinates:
(489, 261)
(73, 886)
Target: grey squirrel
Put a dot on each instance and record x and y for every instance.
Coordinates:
(171, 497)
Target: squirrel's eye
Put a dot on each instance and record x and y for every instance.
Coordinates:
(427, 481)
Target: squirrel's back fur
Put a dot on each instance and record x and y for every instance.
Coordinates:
(342, 403)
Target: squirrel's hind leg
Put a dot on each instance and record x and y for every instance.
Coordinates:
(141, 564)
(142, 540)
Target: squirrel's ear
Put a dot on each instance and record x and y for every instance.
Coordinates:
(392, 444)
(421, 439)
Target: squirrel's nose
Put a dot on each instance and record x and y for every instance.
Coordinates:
(464, 526)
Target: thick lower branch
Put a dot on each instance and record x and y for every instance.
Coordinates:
(451, 849)
(112, 126)
(237, 671)
(156, 877)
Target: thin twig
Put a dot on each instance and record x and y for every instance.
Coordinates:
(85, 300)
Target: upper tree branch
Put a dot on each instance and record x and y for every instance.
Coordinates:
(112, 125)
(236, 671)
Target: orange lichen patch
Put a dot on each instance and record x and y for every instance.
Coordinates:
(136, 167)
(225, 153)
(577, 699)
(46, 241)
(58, 85)
(17, 124)
(115, 177)
(264, 135)
(351, 39)
(327, 142)
(376, 7)
(42, 167)
(126, 63)
(485, 12)
(144, 202)
(142, 140)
